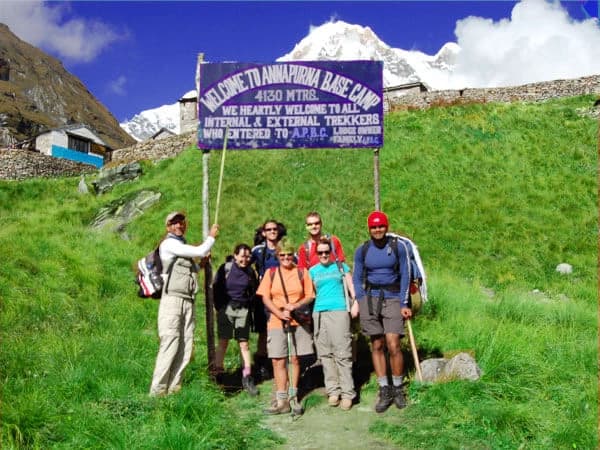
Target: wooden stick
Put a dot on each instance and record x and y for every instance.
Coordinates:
(413, 347)
(221, 176)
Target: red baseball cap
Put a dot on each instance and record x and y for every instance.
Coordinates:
(377, 218)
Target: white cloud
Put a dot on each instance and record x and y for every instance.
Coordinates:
(48, 26)
(539, 42)
(118, 86)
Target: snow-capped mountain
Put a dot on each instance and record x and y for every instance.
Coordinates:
(147, 123)
(340, 41)
(332, 41)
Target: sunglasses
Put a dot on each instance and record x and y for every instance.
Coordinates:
(313, 224)
(270, 229)
(377, 227)
(326, 252)
(289, 255)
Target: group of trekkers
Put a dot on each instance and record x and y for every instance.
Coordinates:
(298, 300)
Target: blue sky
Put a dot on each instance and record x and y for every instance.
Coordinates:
(139, 55)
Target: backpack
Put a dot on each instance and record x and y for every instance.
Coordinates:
(220, 292)
(149, 275)
(332, 246)
(418, 281)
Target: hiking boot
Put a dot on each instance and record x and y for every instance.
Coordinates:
(346, 404)
(384, 399)
(333, 400)
(399, 397)
(281, 407)
(249, 386)
(296, 406)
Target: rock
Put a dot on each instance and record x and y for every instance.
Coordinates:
(108, 178)
(116, 215)
(82, 187)
(462, 367)
(564, 268)
(432, 368)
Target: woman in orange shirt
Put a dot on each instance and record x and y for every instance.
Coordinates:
(284, 289)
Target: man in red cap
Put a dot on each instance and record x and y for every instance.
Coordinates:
(381, 281)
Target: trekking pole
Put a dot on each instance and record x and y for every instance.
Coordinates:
(221, 176)
(413, 347)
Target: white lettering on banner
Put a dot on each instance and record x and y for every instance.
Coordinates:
(249, 133)
(291, 110)
(224, 122)
(253, 78)
(309, 132)
(260, 110)
(363, 140)
(293, 121)
(357, 119)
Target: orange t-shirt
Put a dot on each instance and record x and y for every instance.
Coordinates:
(293, 286)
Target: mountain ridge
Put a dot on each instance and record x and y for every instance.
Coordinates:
(37, 93)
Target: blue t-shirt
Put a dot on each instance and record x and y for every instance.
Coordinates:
(329, 286)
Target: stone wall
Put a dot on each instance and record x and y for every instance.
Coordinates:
(533, 92)
(154, 150)
(22, 164)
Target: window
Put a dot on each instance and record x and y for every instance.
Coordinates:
(78, 144)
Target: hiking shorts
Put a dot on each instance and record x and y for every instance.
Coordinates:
(233, 323)
(389, 321)
(301, 340)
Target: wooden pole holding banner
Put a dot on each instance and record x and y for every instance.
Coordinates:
(208, 275)
(376, 179)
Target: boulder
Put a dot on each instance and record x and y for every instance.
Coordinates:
(564, 268)
(116, 215)
(108, 178)
(460, 367)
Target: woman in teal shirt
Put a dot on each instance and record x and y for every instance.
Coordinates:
(331, 315)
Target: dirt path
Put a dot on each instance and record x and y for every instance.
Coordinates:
(324, 427)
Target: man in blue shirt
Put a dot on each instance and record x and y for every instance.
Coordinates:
(381, 281)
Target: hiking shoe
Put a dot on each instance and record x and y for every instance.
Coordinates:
(399, 397)
(249, 386)
(281, 407)
(333, 400)
(296, 406)
(384, 399)
(346, 404)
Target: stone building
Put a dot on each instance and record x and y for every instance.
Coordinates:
(188, 112)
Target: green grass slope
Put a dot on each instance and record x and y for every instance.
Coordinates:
(495, 196)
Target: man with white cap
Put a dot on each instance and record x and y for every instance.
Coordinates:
(177, 311)
(381, 280)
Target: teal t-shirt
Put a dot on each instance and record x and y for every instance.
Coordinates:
(329, 287)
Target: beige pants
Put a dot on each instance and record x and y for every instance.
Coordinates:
(176, 324)
(333, 340)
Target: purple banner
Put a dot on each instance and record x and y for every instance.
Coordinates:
(308, 104)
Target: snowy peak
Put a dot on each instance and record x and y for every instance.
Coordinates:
(149, 122)
(339, 40)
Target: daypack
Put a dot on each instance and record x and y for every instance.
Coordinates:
(332, 246)
(418, 280)
(220, 291)
(149, 275)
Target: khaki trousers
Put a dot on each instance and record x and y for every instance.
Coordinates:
(333, 340)
(176, 324)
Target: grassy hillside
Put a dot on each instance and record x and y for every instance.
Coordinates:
(495, 196)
